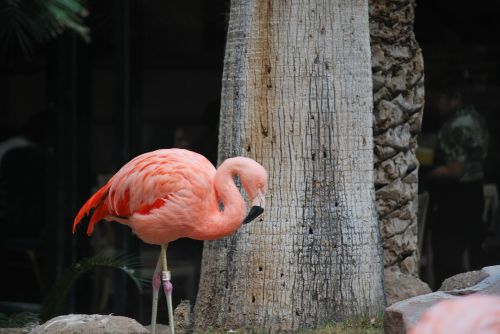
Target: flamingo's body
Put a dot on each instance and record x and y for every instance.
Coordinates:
(172, 193)
(478, 314)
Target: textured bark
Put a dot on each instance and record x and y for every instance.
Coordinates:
(297, 97)
(398, 88)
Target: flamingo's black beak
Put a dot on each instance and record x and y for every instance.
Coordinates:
(255, 211)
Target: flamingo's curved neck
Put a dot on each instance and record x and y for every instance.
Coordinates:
(226, 222)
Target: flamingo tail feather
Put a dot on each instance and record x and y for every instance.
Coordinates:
(96, 202)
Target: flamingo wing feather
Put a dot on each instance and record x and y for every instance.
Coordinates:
(148, 182)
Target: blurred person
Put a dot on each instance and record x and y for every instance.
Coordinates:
(456, 183)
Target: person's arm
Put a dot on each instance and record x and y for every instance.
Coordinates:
(453, 169)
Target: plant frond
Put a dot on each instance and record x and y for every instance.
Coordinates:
(58, 292)
(28, 22)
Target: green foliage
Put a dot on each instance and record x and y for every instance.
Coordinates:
(372, 325)
(58, 292)
(27, 22)
(17, 320)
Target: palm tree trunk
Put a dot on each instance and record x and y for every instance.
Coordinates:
(398, 82)
(297, 97)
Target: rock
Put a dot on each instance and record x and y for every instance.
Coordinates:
(399, 317)
(160, 329)
(183, 320)
(463, 280)
(13, 330)
(402, 315)
(489, 285)
(400, 286)
(90, 324)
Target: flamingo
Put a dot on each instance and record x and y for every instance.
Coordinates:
(169, 194)
(478, 314)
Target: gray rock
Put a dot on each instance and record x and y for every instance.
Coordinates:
(90, 324)
(17, 330)
(400, 286)
(463, 280)
(160, 329)
(402, 315)
(183, 320)
(489, 285)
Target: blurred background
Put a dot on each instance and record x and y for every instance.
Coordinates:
(73, 111)
(461, 50)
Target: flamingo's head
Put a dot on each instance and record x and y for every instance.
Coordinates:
(254, 179)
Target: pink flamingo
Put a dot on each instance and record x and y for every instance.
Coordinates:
(173, 193)
(478, 314)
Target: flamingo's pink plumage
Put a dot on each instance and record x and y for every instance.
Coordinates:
(172, 193)
(168, 194)
(475, 314)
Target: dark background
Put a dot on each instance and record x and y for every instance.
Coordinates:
(151, 79)
(462, 38)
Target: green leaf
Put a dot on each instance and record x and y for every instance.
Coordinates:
(58, 292)
(28, 22)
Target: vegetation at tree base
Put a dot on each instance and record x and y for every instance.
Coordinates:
(364, 325)
(373, 325)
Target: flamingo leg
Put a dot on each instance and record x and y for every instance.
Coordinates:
(156, 283)
(167, 286)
